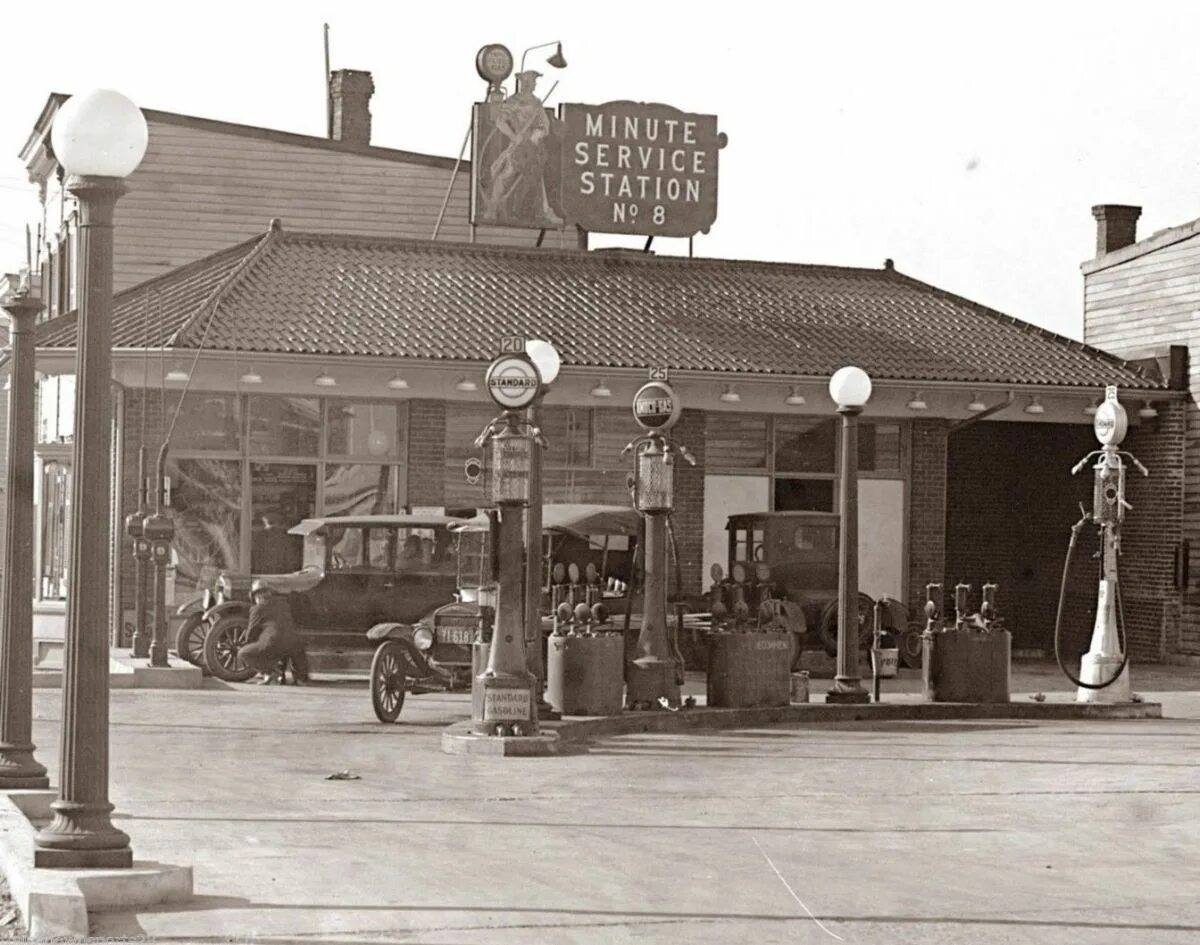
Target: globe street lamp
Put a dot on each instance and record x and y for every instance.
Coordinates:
(99, 138)
(18, 767)
(850, 388)
(547, 361)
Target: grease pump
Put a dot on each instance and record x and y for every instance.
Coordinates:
(1104, 669)
(650, 677)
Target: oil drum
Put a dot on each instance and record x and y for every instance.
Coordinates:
(749, 669)
(967, 665)
(585, 675)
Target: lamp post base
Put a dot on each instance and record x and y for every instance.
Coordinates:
(19, 771)
(81, 836)
(647, 680)
(847, 692)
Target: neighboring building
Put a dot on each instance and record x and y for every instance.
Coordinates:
(1142, 300)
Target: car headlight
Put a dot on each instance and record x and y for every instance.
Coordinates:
(423, 638)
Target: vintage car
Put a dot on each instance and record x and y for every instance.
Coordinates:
(792, 558)
(359, 572)
(588, 554)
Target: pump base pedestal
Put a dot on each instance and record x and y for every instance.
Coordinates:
(507, 705)
(1096, 669)
(648, 680)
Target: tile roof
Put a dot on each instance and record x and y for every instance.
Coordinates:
(302, 293)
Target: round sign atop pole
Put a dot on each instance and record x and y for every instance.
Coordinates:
(655, 406)
(512, 381)
(1110, 423)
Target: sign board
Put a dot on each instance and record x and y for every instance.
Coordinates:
(1111, 421)
(507, 705)
(655, 406)
(473, 470)
(516, 162)
(512, 344)
(512, 381)
(633, 167)
(659, 374)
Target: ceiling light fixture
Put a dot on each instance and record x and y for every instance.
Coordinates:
(466, 384)
(794, 398)
(729, 395)
(601, 390)
(1035, 407)
(251, 377)
(917, 402)
(325, 379)
(1091, 408)
(176, 375)
(976, 405)
(397, 383)
(1147, 411)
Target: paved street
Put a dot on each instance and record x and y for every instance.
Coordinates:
(983, 832)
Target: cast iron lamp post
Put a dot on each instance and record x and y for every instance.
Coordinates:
(850, 388)
(545, 358)
(18, 768)
(99, 138)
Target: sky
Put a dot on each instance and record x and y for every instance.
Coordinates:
(967, 142)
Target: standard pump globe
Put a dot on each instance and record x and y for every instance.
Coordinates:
(545, 358)
(99, 134)
(850, 387)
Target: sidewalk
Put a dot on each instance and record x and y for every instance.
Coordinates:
(889, 831)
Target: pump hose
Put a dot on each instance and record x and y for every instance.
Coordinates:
(677, 575)
(1062, 596)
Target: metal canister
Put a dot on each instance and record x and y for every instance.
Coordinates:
(585, 675)
(749, 669)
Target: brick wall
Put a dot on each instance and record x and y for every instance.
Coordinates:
(688, 518)
(426, 453)
(1151, 532)
(927, 510)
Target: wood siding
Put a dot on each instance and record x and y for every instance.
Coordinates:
(1148, 302)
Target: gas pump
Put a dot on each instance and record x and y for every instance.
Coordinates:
(651, 676)
(141, 563)
(158, 531)
(1104, 669)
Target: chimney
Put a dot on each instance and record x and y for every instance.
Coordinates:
(1116, 227)
(350, 94)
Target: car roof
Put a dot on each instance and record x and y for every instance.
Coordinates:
(415, 520)
(574, 518)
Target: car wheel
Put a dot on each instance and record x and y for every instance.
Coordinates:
(389, 678)
(828, 626)
(221, 645)
(189, 641)
(911, 648)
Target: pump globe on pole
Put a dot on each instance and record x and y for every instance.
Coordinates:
(99, 138)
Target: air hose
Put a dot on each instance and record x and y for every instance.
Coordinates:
(1062, 596)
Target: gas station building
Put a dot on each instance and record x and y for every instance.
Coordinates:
(329, 356)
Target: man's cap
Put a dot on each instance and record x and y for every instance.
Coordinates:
(259, 585)
(528, 74)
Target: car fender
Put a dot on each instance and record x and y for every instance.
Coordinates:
(394, 633)
(213, 614)
(193, 606)
(389, 630)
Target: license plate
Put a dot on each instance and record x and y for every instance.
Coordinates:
(456, 635)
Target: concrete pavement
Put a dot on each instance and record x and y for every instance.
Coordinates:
(939, 832)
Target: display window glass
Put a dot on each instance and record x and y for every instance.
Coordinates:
(205, 421)
(362, 428)
(281, 495)
(206, 507)
(360, 489)
(285, 426)
(805, 445)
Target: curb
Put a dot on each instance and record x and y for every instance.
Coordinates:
(696, 719)
(55, 902)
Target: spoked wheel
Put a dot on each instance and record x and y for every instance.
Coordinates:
(189, 641)
(827, 628)
(221, 645)
(389, 675)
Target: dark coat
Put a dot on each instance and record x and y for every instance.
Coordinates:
(273, 636)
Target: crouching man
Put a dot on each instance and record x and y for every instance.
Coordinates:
(273, 638)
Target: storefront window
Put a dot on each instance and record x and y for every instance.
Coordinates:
(206, 421)
(56, 409)
(735, 440)
(55, 516)
(879, 448)
(568, 432)
(285, 426)
(805, 444)
(360, 489)
(803, 495)
(281, 495)
(206, 505)
(356, 428)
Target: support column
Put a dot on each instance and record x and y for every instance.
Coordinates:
(82, 834)
(534, 657)
(19, 770)
(846, 685)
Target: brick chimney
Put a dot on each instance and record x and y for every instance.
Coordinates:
(350, 94)
(1116, 226)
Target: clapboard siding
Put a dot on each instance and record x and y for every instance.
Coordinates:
(200, 190)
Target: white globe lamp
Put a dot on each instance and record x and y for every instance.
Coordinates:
(850, 387)
(99, 134)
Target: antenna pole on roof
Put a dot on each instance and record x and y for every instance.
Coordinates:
(328, 96)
